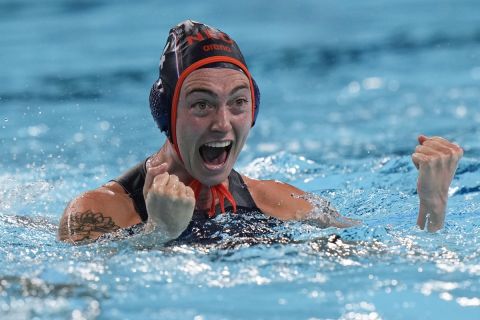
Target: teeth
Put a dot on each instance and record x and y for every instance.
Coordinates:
(218, 144)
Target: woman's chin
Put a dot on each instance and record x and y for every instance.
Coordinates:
(212, 178)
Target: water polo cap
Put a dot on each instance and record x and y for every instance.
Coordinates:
(190, 46)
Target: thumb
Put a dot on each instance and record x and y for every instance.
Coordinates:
(422, 139)
(153, 170)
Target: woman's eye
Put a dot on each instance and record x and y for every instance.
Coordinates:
(241, 101)
(200, 105)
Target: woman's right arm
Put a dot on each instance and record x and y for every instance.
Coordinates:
(97, 212)
(169, 203)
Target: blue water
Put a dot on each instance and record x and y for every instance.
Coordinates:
(346, 88)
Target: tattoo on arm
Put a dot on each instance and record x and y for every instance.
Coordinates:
(88, 225)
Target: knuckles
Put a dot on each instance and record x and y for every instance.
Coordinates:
(439, 149)
(169, 185)
(437, 152)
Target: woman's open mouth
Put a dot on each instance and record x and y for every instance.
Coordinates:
(215, 154)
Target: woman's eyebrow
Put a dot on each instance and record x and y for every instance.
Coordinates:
(238, 88)
(213, 94)
(202, 90)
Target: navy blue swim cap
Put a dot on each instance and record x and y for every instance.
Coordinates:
(190, 46)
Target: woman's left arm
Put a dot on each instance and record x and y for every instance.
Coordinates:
(436, 160)
(285, 202)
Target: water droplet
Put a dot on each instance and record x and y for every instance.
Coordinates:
(6, 119)
(104, 125)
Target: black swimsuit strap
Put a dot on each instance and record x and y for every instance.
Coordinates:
(133, 180)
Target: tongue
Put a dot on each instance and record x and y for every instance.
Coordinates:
(214, 156)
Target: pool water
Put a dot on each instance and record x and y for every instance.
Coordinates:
(346, 88)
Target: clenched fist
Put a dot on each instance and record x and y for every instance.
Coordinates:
(436, 159)
(169, 202)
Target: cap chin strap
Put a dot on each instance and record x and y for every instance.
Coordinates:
(219, 192)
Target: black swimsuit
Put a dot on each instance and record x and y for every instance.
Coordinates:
(132, 182)
(248, 225)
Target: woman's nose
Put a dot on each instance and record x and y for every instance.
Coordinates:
(221, 121)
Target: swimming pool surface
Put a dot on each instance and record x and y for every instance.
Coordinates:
(346, 88)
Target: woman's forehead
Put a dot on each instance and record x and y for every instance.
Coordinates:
(211, 77)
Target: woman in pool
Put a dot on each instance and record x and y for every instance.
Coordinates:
(206, 101)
